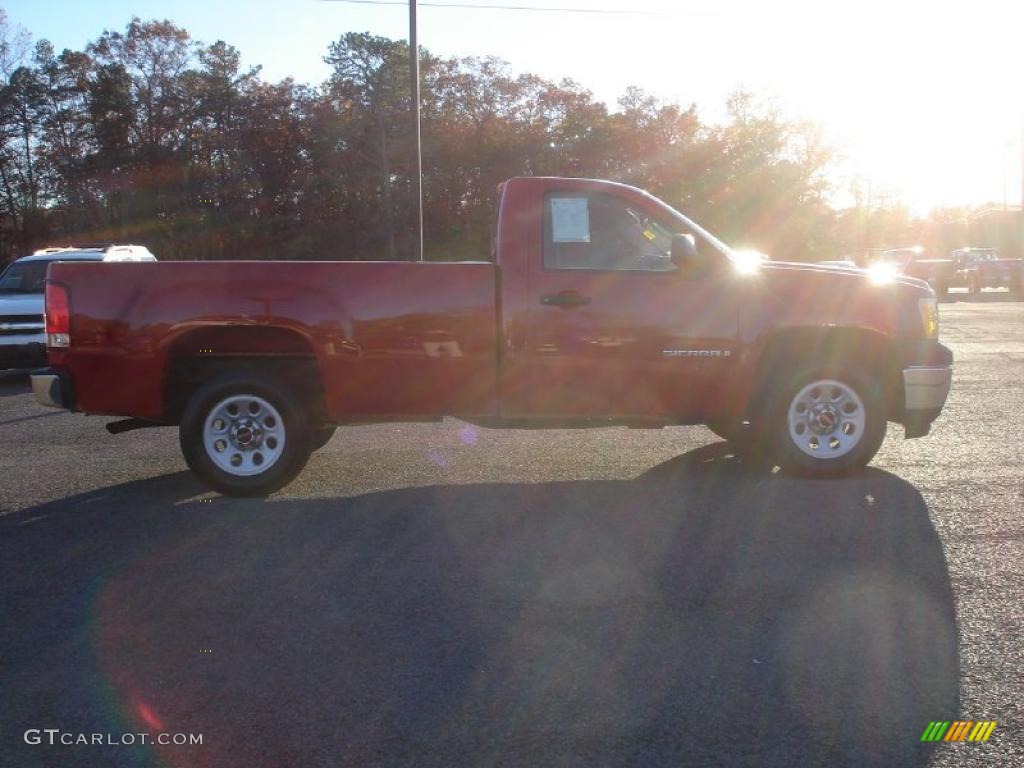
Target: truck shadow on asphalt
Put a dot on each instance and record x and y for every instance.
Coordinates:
(700, 614)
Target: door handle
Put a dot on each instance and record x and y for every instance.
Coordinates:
(565, 299)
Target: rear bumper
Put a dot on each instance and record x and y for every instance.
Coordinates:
(53, 389)
(927, 376)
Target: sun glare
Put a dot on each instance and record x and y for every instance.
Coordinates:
(883, 271)
(748, 261)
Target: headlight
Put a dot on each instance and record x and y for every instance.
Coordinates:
(929, 309)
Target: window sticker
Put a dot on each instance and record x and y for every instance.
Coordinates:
(570, 220)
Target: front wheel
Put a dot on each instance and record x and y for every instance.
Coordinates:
(827, 423)
(244, 434)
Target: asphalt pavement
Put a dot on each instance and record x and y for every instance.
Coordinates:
(439, 594)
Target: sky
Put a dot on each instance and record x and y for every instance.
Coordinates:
(924, 101)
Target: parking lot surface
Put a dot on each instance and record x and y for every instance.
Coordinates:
(438, 594)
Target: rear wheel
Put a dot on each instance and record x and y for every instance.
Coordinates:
(827, 423)
(244, 434)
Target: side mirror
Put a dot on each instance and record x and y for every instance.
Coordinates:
(684, 251)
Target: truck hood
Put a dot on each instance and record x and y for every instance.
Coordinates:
(21, 303)
(791, 294)
(795, 271)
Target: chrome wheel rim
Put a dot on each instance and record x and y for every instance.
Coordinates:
(244, 435)
(826, 419)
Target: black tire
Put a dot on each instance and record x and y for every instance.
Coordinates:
(781, 444)
(294, 445)
(321, 436)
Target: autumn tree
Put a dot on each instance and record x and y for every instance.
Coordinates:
(148, 136)
(370, 88)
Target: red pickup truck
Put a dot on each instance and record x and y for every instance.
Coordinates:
(601, 306)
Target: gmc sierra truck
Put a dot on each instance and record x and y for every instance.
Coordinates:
(601, 306)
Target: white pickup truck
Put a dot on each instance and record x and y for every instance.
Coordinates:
(22, 338)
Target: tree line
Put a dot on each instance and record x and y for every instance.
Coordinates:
(147, 136)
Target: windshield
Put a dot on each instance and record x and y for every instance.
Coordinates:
(24, 277)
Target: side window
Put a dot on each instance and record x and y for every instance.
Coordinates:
(603, 232)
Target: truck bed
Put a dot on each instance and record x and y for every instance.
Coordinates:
(391, 338)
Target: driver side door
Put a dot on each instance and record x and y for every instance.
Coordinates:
(615, 329)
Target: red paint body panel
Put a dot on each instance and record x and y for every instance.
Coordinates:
(389, 338)
(612, 357)
(476, 340)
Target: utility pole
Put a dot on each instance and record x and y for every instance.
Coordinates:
(414, 67)
(1006, 163)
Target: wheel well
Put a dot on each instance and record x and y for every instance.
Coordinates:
(789, 350)
(199, 355)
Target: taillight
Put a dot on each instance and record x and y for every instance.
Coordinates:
(58, 316)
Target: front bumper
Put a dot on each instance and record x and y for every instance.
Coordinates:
(927, 376)
(53, 389)
(926, 388)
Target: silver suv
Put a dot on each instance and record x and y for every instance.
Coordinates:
(22, 336)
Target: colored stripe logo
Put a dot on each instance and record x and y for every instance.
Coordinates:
(958, 730)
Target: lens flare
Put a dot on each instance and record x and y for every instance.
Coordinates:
(747, 261)
(883, 271)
